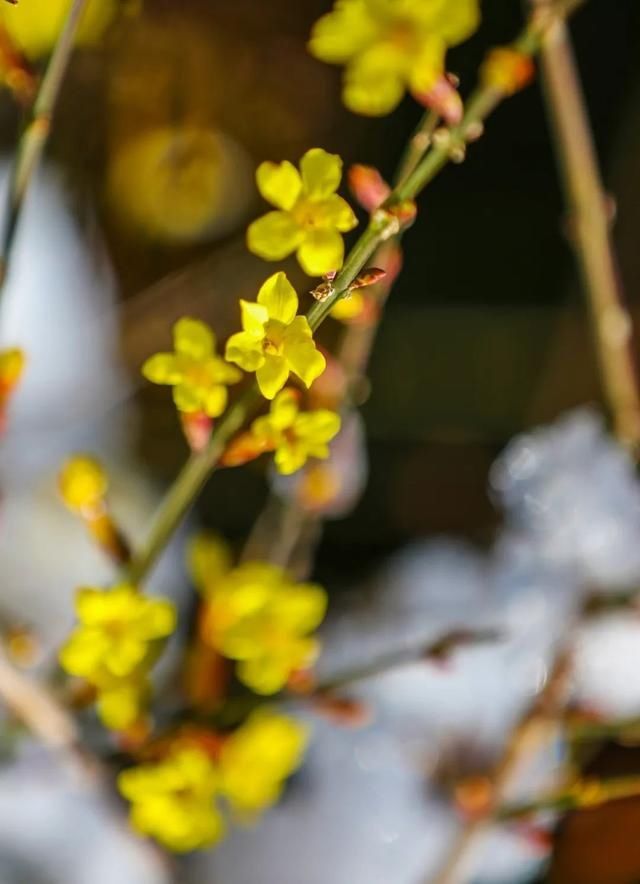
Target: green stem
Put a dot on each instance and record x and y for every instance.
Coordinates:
(36, 133)
(188, 486)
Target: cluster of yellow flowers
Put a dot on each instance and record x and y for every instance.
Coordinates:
(389, 46)
(256, 615)
(174, 800)
(275, 342)
(120, 634)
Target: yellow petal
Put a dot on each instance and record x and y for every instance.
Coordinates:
(125, 656)
(254, 317)
(302, 609)
(264, 675)
(193, 338)
(344, 32)
(121, 705)
(321, 252)
(163, 368)
(318, 426)
(187, 398)
(208, 559)
(290, 457)
(279, 183)
(428, 65)
(279, 297)
(158, 619)
(321, 173)
(284, 409)
(457, 22)
(274, 236)
(245, 351)
(301, 354)
(272, 376)
(215, 401)
(372, 89)
(223, 373)
(337, 213)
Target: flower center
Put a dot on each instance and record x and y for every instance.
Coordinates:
(308, 214)
(273, 337)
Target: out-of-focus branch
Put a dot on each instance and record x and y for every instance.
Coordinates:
(584, 793)
(589, 219)
(434, 650)
(532, 733)
(36, 133)
(41, 713)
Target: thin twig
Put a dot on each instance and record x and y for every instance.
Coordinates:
(433, 650)
(583, 794)
(36, 133)
(590, 232)
(531, 733)
(40, 712)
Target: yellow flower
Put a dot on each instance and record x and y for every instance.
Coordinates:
(35, 26)
(118, 635)
(391, 45)
(295, 436)
(197, 375)
(311, 216)
(259, 617)
(173, 801)
(83, 483)
(256, 760)
(274, 341)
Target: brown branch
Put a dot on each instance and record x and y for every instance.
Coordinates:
(590, 231)
(36, 133)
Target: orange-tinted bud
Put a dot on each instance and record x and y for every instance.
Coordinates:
(444, 99)
(507, 70)
(243, 449)
(368, 187)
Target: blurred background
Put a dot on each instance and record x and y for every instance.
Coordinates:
(137, 219)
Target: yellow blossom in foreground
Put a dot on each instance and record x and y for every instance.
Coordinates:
(257, 759)
(275, 341)
(82, 482)
(391, 45)
(295, 436)
(174, 801)
(119, 634)
(311, 216)
(258, 616)
(36, 25)
(199, 378)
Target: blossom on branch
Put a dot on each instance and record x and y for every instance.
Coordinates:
(310, 218)
(198, 376)
(295, 436)
(173, 801)
(389, 46)
(259, 617)
(275, 341)
(119, 636)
